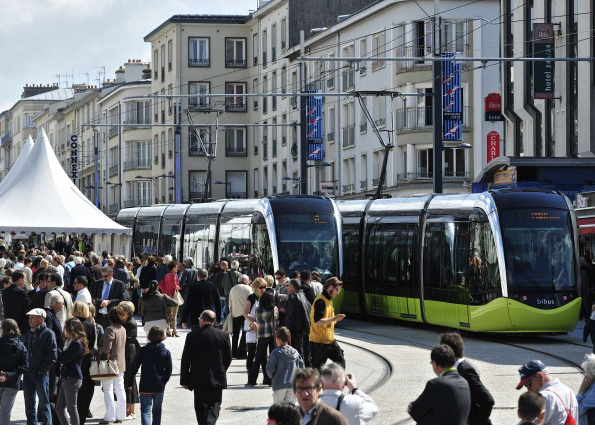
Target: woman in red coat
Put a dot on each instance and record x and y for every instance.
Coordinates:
(168, 286)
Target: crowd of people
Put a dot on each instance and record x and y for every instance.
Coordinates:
(64, 317)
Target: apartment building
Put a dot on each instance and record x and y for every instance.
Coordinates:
(563, 124)
(18, 122)
(353, 154)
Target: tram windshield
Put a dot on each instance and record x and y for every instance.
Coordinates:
(308, 241)
(538, 249)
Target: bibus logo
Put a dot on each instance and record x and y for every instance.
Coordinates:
(546, 302)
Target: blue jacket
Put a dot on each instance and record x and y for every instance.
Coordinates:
(281, 367)
(13, 361)
(41, 349)
(71, 359)
(157, 367)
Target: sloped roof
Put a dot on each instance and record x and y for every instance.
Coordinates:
(42, 198)
(13, 173)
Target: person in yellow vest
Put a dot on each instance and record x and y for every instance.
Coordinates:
(323, 344)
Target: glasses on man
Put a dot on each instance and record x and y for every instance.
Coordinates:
(309, 389)
(262, 287)
(105, 277)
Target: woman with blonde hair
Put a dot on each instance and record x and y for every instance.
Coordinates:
(258, 286)
(71, 376)
(81, 311)
(270, 280)
(132, 346)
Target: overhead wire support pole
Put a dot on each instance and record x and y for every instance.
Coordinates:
(437, 101)
(303, 121)
(210, 155)
(388, 146)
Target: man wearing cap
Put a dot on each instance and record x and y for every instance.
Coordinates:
(560, 401)
(323, 344)
(42, 352)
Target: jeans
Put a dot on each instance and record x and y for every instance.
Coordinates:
(108, 397)
(224, 307)
(85, 396)
(67, 398)
(297, 342)
(150, 403)
(261, 360)
(321, 352)
(37, 386)
(207, 405)
(7, 397)
(238, 335)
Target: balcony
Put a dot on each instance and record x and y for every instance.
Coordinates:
(274, 148)
(377, 64)
(425, 175)
(255, 150)
(199, 62)
(197, 151)
(425, 51)
(255, 60)
(197, 194)
(348, 189)
(137, 164)
(113, 208)
(330, 136)
(363, 68)
(363, 184)
(199, 104)
(283, 45)
(293, 102)
(421, 118)
(236, 151)
(163, 160)
(348, 136)
(237, 105)
(113, 131)
(375, 182)
(330, 82)
(273, 54)
(114, 170)
(137, 202)
(265, 192)
(6, 138)
(363, 127)
(265, 151)
(255, 104)
(294, 150)
(264, 59)
(265, 104)
(348, 77)
(235, 63)
(238, 195)
(284, 140)
(162, 74)
(274, 101)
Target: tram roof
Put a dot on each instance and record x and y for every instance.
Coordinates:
(205, 209)
(176, 211)
(153, 211)
(300, 203)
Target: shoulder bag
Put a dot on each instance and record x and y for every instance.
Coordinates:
(103, 370)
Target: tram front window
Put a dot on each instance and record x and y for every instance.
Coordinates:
(538, 250)
(308, 241)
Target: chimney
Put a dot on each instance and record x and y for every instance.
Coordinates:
(133, 70)
(120, 76)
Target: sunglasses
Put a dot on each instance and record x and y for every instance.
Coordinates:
(262, 287)
(528, 383)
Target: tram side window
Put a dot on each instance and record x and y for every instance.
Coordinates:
(262, 263)
(235, 244)
(170, 239)
(462, 255)
(199, 244)
(405, 242)
(351, 255)
(146, 238)
(485, 272)
(439, 255)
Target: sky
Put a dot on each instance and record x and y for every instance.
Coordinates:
(42, 38)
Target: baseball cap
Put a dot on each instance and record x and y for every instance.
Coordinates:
(333, 281)
(37, 312)
(528, 370)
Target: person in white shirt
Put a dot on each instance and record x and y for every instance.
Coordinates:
(560, 401)
(357, 406)
(54, 283)
(238, 295)
(28, 274)
(20, 263)
(82, 291)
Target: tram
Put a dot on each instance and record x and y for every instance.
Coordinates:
(502, 261)
(285, 231)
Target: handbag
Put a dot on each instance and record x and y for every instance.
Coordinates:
(228, 325)
(178, 297)
(102, 370)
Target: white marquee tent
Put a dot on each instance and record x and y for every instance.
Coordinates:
(12, 174)
(41, 198)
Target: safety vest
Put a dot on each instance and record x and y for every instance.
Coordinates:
(322, 334)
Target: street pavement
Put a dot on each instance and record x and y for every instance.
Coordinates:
(405, 347)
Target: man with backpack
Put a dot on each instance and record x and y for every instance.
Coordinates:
(561, 406)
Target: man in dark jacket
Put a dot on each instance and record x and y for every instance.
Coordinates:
(16, 301)
(79, 270)
(481, 399)
(107, 293)
(446, 399)
(187, 278)
(121, 274)
(306, 279)
(42, 353)
(203, 296)
(205, 360)
(38, 297)
(297, 319)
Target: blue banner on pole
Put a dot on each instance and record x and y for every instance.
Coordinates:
(315, 129)
(452, 98)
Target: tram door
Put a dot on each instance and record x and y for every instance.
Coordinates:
(373, 296)
(463, 243)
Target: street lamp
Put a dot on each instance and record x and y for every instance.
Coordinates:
(226, 184)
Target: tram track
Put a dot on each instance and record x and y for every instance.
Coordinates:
(387, 367)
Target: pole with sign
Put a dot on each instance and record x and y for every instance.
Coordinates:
(493, 145)
(543, 71)
(74, 158)
(452, 98)
(315, 130)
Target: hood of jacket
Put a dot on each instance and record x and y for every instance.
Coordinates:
(288, 354)
(8, 346)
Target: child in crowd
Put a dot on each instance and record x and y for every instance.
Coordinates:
(281, 367)
(531, 408)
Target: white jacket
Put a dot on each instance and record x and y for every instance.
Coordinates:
(358, 408)
(559, 399)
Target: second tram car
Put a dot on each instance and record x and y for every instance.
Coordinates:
(500, 261)
(288, 231)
